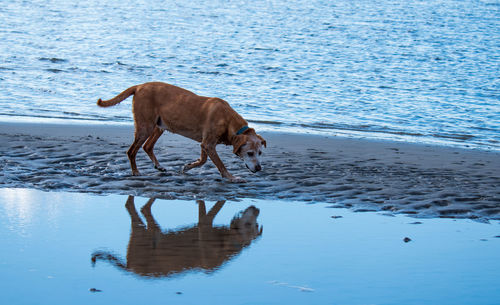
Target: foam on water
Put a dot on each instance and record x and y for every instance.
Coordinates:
(424, 71)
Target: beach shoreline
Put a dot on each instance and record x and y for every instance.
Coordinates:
(360, 174)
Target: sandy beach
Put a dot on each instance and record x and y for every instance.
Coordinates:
(363, 175)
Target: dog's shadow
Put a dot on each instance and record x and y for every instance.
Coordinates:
(203, 247)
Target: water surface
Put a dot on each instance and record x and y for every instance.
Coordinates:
(423, 71)
(70, 248)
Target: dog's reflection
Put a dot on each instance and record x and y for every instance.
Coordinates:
(204, 247)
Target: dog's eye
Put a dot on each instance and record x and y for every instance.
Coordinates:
(250, 153)
(260, 153)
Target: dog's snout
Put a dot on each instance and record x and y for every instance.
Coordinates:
(254, 210)
(258, 167)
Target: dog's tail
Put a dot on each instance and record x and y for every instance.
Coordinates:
(105, 256)
(120, 97)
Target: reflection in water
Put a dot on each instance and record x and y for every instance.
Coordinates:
(154, 253)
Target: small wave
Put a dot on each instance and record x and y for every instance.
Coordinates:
(266, 122)
(266, 49)
(363, 128)
(214, 73)
(461, 137)
(386, 87)
(119, 63)
(54, 60)
(69, 116)
(209, 72)
(138, 68)
(496, 4)
(271, 68)
(80, 70)
(54, 70)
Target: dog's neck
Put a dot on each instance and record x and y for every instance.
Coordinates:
(242, 130)
(236, 128)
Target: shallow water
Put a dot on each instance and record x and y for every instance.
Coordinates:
(424, 71)
(306, 254)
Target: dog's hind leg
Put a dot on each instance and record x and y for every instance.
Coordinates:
(202, 160)
(149, 146)
(134, 217)
(141, 135)
(146, 211)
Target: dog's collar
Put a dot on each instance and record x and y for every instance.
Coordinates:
(242, 130)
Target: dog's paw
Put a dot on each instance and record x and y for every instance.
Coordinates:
(160, 168)
(236, 179)
(184, 169)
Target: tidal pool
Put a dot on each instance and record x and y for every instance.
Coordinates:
(72, 248)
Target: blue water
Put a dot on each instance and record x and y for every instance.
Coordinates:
(303, 256)
(422, 71)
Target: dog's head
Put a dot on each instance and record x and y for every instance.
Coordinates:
(248, 146)
(245, 224)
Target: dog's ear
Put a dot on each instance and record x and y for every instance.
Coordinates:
(238, 141)
(263, 141)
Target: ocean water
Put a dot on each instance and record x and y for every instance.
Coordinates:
(422, 71)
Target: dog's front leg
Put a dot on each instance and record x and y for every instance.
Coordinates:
(150, 221)
(212, 153)
(197, 163)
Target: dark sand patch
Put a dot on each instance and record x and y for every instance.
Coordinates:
(424, 181)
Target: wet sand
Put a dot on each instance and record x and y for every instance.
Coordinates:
(364, 175)
(72, 248)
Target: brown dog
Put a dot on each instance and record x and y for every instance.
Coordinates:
(158, 107)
